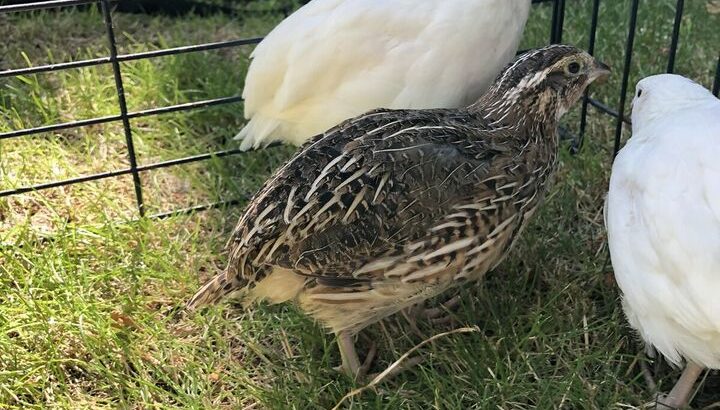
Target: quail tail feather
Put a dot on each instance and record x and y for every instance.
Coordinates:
(215, 290)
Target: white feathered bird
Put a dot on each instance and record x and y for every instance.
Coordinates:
(335, 59)
(663, 221)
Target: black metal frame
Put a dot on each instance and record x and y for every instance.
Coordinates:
(114, 59)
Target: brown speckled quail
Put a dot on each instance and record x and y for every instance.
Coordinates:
(396, 206)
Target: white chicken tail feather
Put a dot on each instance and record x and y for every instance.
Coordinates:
(257, 133)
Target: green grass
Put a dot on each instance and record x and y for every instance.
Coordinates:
(89, 294)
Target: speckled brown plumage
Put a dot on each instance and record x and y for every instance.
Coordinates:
(396, 206)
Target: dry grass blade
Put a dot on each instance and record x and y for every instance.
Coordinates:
(713, 6)
(380, 377)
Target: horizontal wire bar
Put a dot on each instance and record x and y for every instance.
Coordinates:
(159, 216)
(197, 208)
(607, 110)
(130, 57)
(185, 106)
(187, 160)
(14, 8)
(140, 168)
(189, 49)
(118, 117)
(64, 182)
(54, 67)
(58, 127)
(110, 174)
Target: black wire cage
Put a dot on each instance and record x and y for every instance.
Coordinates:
(616, 110)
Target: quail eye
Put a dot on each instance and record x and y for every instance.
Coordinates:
(574, 68)
(639, 93)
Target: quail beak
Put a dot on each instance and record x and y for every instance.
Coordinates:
(600, 71)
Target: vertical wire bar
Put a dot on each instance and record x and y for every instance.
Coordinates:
(716, 86)
(560, 22)
(123, 106)
(626, 75)
(675, 35)
(553, 23)
(586, 98)
(558, 17)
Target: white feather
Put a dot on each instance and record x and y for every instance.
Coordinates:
(336, 59)
(663, 219)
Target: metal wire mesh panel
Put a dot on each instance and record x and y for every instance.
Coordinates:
(124, 116)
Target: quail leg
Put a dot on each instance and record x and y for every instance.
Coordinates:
(368, 360)
(648, 376)
(437, 316)
(680, 394)
(440, 315)
(350, 360)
